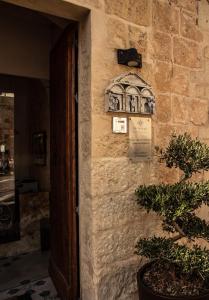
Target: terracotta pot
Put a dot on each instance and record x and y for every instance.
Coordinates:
(145, 293)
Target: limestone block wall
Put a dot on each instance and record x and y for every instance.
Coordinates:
(173, 37)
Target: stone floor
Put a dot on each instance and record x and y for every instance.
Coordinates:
(26, 273)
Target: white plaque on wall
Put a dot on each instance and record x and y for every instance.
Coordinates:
(140, 137)
(119, 125)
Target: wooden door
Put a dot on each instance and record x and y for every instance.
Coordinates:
(63, 262)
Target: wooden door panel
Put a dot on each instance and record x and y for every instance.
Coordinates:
(63, 262)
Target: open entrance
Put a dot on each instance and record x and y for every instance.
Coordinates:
(38, 156)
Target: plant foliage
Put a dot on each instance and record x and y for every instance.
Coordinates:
(177, 205)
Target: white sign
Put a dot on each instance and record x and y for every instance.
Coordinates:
(140, 137)
(119, 125)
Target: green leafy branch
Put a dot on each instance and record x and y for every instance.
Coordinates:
(177, 204)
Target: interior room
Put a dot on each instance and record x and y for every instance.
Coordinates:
(26, 39)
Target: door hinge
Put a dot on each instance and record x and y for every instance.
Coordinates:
(76, 97)
(77, 210)
(75, 42)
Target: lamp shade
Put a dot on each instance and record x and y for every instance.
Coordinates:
(129, 57)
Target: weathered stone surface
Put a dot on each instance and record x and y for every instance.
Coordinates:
(161, 46)
(85, 144)
(163, 109)
(203, 14)
(190, 5)
(202, 91)
(180, 81)
(137, 38)
(137, 12)
(117, 33)
(199, 112)
(181, 107)
(105, 142)
(165, 175)
(164, 132)
(121, 208)
(88, 3)
(111, 211)
(189, 28)
(113, 175)
(186, 53)
(111, 221)
(114, 245)
(163, 77)
(206, 52)
(165, 17)
(123, 279)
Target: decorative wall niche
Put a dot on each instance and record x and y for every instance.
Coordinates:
(129, 93)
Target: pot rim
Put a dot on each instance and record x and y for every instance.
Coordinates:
(140, 274)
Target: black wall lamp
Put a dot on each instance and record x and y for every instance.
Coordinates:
(129, 57)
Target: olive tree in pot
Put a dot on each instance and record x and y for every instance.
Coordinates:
(177, 270)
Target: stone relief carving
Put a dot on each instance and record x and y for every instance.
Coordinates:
(131, 94)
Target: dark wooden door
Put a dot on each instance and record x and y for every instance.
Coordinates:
(63, 263)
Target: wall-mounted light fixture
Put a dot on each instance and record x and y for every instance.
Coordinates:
(129, 57)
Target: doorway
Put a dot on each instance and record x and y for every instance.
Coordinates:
(43, 169)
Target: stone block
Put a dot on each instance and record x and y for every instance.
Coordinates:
(180, 81)
(118, 244)
(138, 39)
(203, 15)
(189, 27)
(85, 140)
(186, 53)
(163, 75)
(105, 143)
(161, 46)
(137, 12)
(90, 3)
(163, 108)
(117, 33)
(111, 211)
(166, 175)
(181, 107)
(199, 112)
(165, 17)
(190, 5)
(206, 52)
(202, 91)
(163, 133)
(115, 175)
(119, 283)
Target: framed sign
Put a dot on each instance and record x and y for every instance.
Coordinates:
(119, 125)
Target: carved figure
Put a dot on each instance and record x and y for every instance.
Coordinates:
(114, 103)
(133, 101)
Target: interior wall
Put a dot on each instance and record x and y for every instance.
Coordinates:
(26, 38)
(31, 115)
(24, 43)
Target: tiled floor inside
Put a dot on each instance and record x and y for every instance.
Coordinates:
(26, 273)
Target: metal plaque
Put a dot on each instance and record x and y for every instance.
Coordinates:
(140, 137)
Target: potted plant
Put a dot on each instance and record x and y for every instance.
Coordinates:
(176, 269)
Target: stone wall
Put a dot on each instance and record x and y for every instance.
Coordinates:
(173, 37)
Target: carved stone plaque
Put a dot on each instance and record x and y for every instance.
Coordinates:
(129, 93)
(140, 137)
